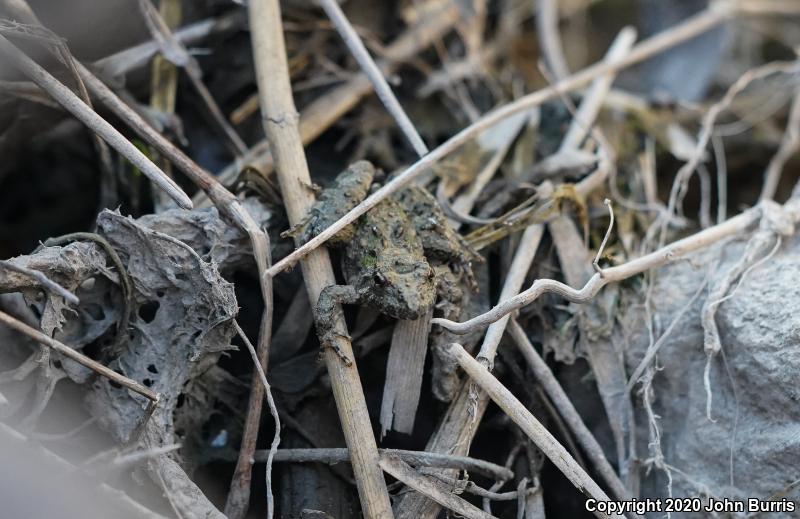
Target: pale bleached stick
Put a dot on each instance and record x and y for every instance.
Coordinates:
(550, 39)
(46, 283)
(688, 29)
(667, 254)
(561, 401)
(78, 357)
(258, 360)
(538, 434)
(788, 147)
(593, 100)
(73, 104)
(432, 488)
(280, 121)
(373, 72)
(332, 456)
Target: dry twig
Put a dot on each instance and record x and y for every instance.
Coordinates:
(529, 424)
(280, 120)
(432, 488)
(373, 72)
(47, 283)
(415, 458)
(562, 402)
(78, 357)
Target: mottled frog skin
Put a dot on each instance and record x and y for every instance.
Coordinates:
(387, 250)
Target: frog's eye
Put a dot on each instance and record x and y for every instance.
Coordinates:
(379, 278)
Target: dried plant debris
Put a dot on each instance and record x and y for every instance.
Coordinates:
(459, 175)
(183, 310)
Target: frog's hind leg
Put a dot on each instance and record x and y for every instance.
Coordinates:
(327, 311)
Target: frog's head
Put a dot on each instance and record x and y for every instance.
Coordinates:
(404, 289)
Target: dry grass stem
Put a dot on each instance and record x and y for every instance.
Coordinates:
(78, 357)
(47, 284)
(515, 410)
(434, 489)
(373, 72)
(280, 120)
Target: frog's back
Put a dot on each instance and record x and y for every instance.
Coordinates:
(439, 239)
(347, 191)
(386, 263)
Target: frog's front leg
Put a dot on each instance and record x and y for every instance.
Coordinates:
(328, 312)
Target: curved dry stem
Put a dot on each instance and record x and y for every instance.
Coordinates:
(655, 259)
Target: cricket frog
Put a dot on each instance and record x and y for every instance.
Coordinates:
(393, 254)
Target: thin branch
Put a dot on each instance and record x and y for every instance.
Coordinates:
(373, 72)
(415, 458)
(280, 121)
(434, 489)
(688, 29)
(515, 410)
(667, 254)
(550, 39)
(596, 262)
(47, 283)
(173, 50)
(571, 416)
(259, 360)
(73, 104)
(788, 147)
(78, 357)
(239, 494)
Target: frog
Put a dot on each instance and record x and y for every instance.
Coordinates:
(395, 255)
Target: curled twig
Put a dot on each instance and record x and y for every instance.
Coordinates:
(655, 259)
(124, 279)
